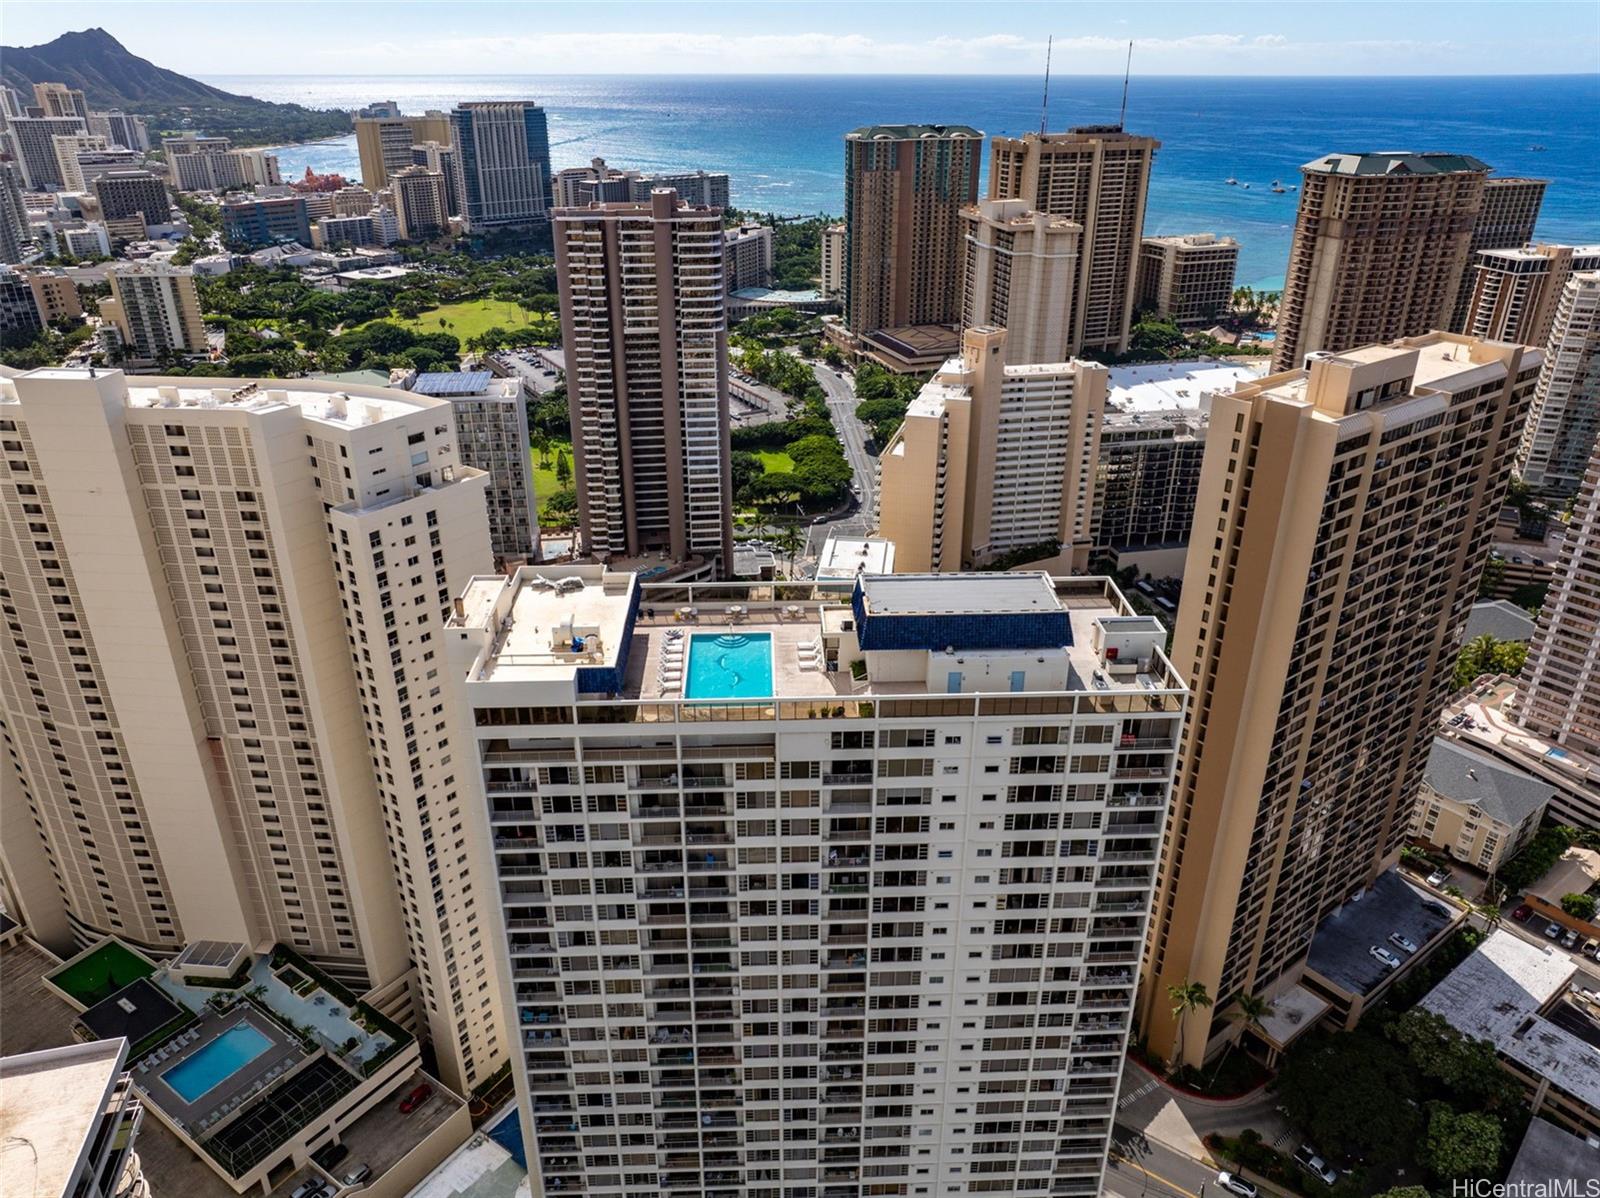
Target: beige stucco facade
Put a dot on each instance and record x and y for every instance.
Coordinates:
(1021, 275)
(1099, 177)
(1319, 636)
(1381, 247)
(221, 695)
(992, 458)
(384, 143)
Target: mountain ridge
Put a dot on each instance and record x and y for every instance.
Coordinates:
(112, 76)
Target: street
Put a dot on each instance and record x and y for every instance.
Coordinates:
(1141, 1167)
(842, 407)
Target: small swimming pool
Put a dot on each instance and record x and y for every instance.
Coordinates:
(214, 1064)
(730, 665)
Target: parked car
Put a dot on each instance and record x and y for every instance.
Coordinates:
(1553, 931)
(1402, 943)
(1384, 957)
(311, 1187)
(329, 1156)
(416, 1098)
(356, 1175)
(1570, 940)
(1306, 1157)
(1236, 1185)
(1591, 948)
(1521, 913)
(1438, 877)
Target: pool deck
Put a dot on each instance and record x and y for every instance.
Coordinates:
(650, 641)
(149, 1072)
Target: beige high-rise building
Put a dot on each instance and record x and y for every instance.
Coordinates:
(1558, 692)
(1021, 275)
(421, 202)
(991, 458)
(1506, 219)
(59, 100)
(222, 697)
(384, 143)
(1516, 292)
(1342, 521)
(747, 252)
(1565, 420)
(55, 292)
(1188, 278)
(1098, 176)
(67, 147)
(904, 188)
(354, 200)
(1381, 245)
(646, 339)
(33, 146)
(833, 261)
(155, 309)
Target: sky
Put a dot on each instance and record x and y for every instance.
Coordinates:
(977, 37)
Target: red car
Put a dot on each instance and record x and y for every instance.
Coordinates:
(1521, 913)
(416, 1098)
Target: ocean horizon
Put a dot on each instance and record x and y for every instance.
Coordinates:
(779, 137)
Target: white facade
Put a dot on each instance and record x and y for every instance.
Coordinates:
(229, 599)
(858, 935)
(1565, 416)
(833, 261)
(747, 256)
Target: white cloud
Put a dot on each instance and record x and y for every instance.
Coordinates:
(848, 53)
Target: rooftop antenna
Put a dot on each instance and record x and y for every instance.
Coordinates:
(1123, 115)
(1044, 110)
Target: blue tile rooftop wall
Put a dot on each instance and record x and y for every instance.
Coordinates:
(993, 630)
(610, 680)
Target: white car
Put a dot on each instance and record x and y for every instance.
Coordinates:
(1236, 1185)
(1402, 943)
(1438, 877)
(1384, 957)
(1306, 1157)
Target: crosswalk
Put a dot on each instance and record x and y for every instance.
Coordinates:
(1128, 1100)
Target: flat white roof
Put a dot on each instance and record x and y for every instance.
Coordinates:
(50, 1101)
(845, 557)
(341, 405)
(1496, 995)
(958, 594)
(1162, 386)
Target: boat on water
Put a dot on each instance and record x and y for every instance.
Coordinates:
(1232, 182)
(1536, 148)
(1278, 188)
(1246, 186)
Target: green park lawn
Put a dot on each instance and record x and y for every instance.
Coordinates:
(775, 463)
(544, 477)
(471, 318)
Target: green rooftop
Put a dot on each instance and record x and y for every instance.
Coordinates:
(911, 132)
(1396, 162)
(100, 973)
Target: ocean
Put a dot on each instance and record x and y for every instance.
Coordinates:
(778, 137)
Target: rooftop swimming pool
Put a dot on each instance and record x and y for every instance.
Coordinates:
(216, 1062)
(730, 665)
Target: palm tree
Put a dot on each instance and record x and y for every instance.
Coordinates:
(1186, 999)
(1248, 1011)
(789, 540)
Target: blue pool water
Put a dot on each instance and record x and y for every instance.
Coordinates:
(508, 1134)
(216, 1062)
(736, 665)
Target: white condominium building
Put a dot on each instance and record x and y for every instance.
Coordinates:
(645, 332)
(1565, 417)
(833, 261)
(992, 458)
(747, 256)
(1188, 278)
(223, 703)
(1559, 690)
(155, 309)
(822, 896)
(492, 424)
